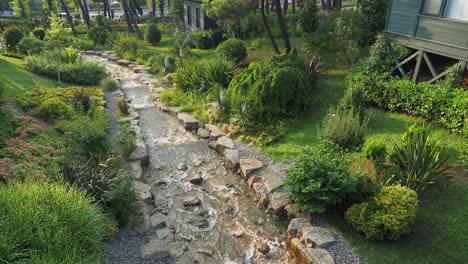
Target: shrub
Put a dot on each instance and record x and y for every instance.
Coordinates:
(12, 36)
(454, 77)
(269, 90)
(390, 214)
(99, 35)
(123, 107)
(375, 150)
(68, 64)
(127, 139)
(55, 109)
(39, 33)
(153, 35)
(257, 44)
(88, 137)
(82, 101)
(308, 19)
(54, 44)
(233, 49)
(30, 46)
(320, 178)
(437, 103)
(124, 43)
(51, 223)
(56, 29)
(343, 127)
(169, 64)
(83, 44)
(419, 159)
(8, 124)
(122, 201)
(109, 84)
(375, 14)
(199, 75)
(380, 59)
(348, 32)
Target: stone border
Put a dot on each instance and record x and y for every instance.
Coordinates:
(306, 243)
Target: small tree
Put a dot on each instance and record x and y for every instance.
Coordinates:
(56, 29)
(153, 35)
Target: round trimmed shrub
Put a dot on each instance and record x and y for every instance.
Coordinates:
(39, 33)
(50, 223)
(30, 46)
(55, 109)
(233, 49)
(12, 36)
(153, 35)
(269, 90)
(390, 214)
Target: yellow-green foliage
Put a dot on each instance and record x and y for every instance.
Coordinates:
(55, 109)
(35, 98)
(50, 223)
(390, 214)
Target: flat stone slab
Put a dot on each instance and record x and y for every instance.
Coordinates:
(304, 255)
(221, 144)
(272, 182)
(158, 220)
(172, 110)
(143, 190)
(203, 133)
(296, 225)
(317, 237)
(112, 58)
(156, 248)
(231, 158)
(247, 166)
(189, 122)
(215, 132)
(137, 171)
(123, 62)
(278, 201)
(140, 154)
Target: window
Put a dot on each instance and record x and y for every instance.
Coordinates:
(432, 7)
(456, 9)
(197, 17)
(189, 15)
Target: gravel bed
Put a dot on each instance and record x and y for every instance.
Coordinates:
(125, 249)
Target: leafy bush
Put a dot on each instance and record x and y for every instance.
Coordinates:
(375, 13)
(380, 59)
(375, 150)
(419, 159)
(348, 32)
(320, 178)
(199, 75)
(109, 84)
(233, 49)
(88, 137)
(50, 223)
(269, 90)
(54, 44)
(55, 109)
(390, 214)
(257, 44)
(39, 33)
(153, 35)
(437, 103)
(100, 35)
(30, 46)
(343, 127)
(12, 36)
(56, 29)
(454, 77)
(308, 19)
(68, 64)
(123, 43)
(83, 44)
(207, 39)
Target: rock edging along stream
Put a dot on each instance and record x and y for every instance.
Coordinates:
(195, 219)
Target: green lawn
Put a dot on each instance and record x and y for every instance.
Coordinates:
(17, 79)
(440, 234)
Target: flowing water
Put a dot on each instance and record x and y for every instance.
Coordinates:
(216, 221)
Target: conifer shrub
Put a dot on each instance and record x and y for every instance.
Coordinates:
(233, 49)
(153, 34)
(39, 33)
(30, 46)
(270, 90)
(12, 36)
(390, 214)
(55, 109)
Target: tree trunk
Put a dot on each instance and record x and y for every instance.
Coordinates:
(132, 18)
(85, 4)
(329, 6)
(153, 7)
(282, 26)
(267, 2)
(161, 8)
(69, 18)
(293, 2)
(132, 8)
(324, 5)
(83, 14)
(127, 17)
(267, 27)
(285, 7)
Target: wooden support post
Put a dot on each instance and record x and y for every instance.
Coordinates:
(442, 74)
(429, 64)
(406, 60)
(418, 66)
(395, 59)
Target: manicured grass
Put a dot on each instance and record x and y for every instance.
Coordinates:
(440, 233)
(18, 79)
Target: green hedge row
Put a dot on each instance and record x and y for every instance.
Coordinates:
(436, 103)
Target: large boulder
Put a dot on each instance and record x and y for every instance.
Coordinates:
(190, 123)
(156, 248)
(317, 237)
(305, 255)
(215, 132)
(231, 158)
(278, 201)
(140, 154)
(221, 144)
(143, 190)
(272, 182)
(248, 166)
(295, 227)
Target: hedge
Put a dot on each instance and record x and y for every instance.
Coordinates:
(437, 103)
